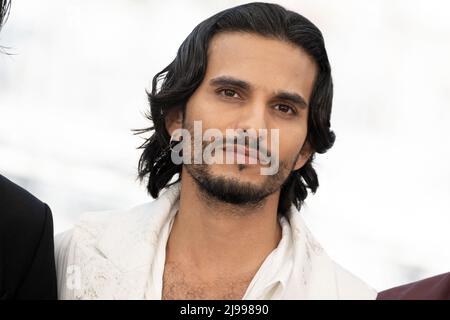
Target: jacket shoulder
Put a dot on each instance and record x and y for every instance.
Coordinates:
(20, 210)
(434, 288)
(350, 287)
(80, 262)
(87, 230)
(26, 238)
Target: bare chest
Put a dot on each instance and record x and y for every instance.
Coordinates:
(179, 284)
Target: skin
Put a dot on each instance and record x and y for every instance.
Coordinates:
(210, 252)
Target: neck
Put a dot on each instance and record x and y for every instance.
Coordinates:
(205, 236)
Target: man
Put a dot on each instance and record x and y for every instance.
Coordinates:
(434, 288)
(222, 230)
(27, 265)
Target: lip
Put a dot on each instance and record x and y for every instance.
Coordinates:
(243, 150)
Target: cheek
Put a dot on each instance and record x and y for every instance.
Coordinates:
(203, 107)
(291, 142)
(199, 108)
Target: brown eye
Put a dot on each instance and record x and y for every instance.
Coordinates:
(229, 93)
(284, 109)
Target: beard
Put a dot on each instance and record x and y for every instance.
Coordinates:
(230, 190)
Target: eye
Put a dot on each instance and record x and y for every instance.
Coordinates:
(285, 109)
(228, 93)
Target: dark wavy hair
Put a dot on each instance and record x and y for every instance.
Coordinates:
(5, 5)
(173, 86)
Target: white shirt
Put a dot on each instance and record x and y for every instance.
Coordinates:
(121, 255)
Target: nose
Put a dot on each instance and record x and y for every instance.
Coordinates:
(251, 122)
(252, 116)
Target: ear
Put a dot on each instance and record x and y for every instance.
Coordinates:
(173, 120)
(304, 155)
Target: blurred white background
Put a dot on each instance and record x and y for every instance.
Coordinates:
(74, 87)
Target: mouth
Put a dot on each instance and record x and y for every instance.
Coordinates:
(242, 150)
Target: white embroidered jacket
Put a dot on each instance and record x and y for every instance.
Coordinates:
(120, 255)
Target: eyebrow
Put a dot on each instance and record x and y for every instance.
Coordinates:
(293, 97)
(230, 81)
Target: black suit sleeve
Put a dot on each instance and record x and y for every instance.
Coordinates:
(40, 281)
(27, 263)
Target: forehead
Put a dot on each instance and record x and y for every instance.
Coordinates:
(268, 64)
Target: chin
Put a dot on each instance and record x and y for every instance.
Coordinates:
(247, 172)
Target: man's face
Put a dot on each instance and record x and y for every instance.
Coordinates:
(253, 82)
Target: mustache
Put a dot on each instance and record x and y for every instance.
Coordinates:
(254, 145)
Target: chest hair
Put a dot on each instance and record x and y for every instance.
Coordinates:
(180, 284)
